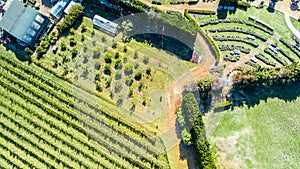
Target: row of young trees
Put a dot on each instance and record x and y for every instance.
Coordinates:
(69, 20)
(193, 133)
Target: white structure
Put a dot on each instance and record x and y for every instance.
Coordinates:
(57, 10)
(105, 24)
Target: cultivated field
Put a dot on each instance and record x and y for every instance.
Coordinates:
(264, 136)
(49, 123)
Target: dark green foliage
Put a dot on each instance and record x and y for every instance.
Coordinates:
(148, 71)
(75, 13)
(107, 69)
(108, 57)
(190, 109)
(186, 137)
(118, 63)
(63, 46)
(203, 12)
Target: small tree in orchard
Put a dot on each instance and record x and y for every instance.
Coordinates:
(128, 68)
(146, 59)
(148, 71)
(63, 46)
(138, 75)
(108, 57)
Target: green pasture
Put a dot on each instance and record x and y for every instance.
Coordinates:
(264, 136)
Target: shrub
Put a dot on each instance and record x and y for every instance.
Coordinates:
(108, 57)
(138, 75)
(75, 13)
(146, 59)
(63, 46)
(128, 68)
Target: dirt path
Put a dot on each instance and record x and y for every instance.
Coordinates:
(182, 7)
(174, 94)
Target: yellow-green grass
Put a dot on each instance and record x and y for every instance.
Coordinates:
(264, 136)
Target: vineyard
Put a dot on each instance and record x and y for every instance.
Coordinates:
(49, 123)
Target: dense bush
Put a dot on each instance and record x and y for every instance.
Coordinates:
(232, 47)
(75, 13)
(237, 20)
(235, 38)
(276, 56)
(240, 30)
(203, 12)
(265, 59)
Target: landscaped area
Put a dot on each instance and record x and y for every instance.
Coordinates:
(254, 35)
(177, 87)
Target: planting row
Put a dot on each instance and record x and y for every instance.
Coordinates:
(290, 46)
(233, 47)
(240, 30)
(276, 56)
(237, 39)
(93, 127)
(236, 20)
(264, 59)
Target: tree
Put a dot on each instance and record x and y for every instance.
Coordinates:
(118, 63)
(146, 60)
(74, 14)
(186, 137)
(138, 75)
(108, 57)
(107, 69)
(128, 68)
(63, 46)
(190, 109)
(148, 71)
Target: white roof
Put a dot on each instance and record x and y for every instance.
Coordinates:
(58, 8)
(105, 24)
(71, 4)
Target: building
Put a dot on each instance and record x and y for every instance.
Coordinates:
(58, 9)
(106, 25)
(24, 23)
(71, 4)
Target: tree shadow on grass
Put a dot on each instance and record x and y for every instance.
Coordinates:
(255, 94)
(188, 153)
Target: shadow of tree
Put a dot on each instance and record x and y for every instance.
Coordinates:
(255, 94)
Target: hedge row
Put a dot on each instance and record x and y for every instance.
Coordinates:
(240, 30)
(135, 6)
(209, 40)
(290, 46)
(235, 38)
(287, 55)
(276, 57)
(203, 12)
(231, 58)
(265, 59)
(236, 20)
(232, 47)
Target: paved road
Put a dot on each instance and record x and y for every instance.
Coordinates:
(291, 26)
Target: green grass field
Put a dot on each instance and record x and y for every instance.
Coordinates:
(264, 136)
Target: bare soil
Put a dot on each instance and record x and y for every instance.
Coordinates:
(182, 7)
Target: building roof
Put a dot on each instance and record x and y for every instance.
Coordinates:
(71, 4)
(58, 8)
(22, 22)
(105, 24)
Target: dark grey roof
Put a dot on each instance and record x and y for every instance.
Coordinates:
(23, 22)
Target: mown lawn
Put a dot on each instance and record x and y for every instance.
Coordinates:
(264, 136)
